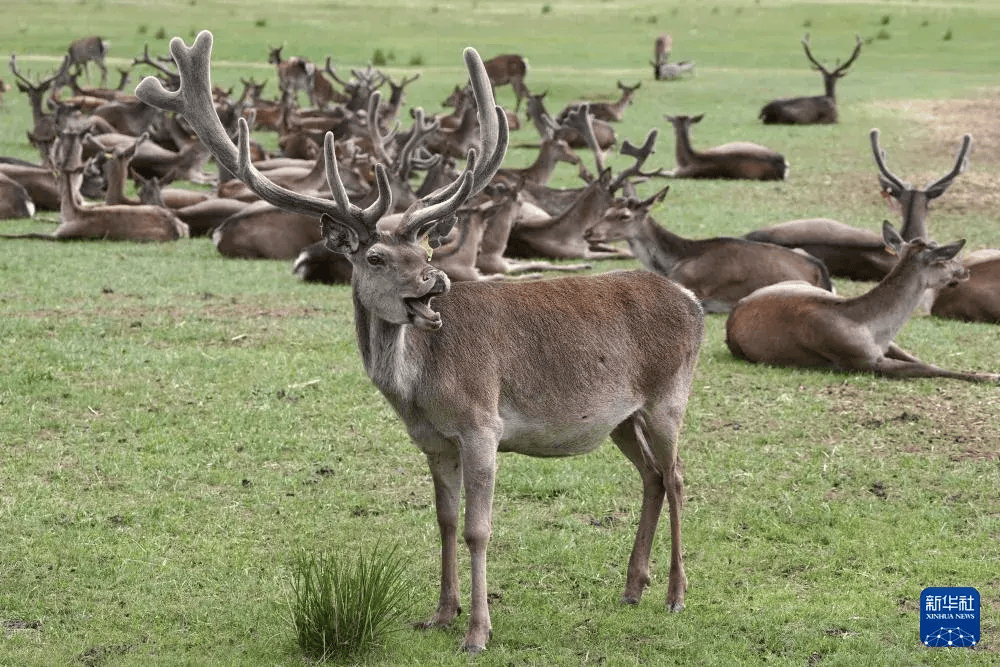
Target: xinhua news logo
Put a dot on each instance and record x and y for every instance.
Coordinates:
(949, 617)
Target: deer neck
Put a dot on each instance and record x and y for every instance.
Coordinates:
(915, 206)
(656, 248)
(383, 348)
(685, 154)
(888, 306)
(829, 86)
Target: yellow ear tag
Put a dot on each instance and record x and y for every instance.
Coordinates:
(891, 251)
(425, 243)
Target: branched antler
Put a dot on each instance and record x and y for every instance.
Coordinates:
(641, 154)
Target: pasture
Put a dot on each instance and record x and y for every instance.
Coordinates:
(175, 427)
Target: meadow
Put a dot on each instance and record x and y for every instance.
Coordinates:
(176, 427)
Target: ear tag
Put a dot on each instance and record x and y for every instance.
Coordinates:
(891, 251)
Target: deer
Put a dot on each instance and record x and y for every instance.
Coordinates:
(662, 46)
(478, 368)
(610, 112)
(857, 253)
(15, 202)
(720, 271)
(89, 49)
(798, 325)
(737, 160)
(818, 109)
(509, 68)
(542, 120)
(294, 74)
(121, 222)
(976, 299)
(915, 203)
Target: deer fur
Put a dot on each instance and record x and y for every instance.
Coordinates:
(720, 271)
(976, 299)
(742, 159)
(818, 109)
(91, 49)
(15, 202)
(794, 324)
(509, 68)
(480, 368)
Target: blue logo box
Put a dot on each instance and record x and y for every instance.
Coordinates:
(949, 616)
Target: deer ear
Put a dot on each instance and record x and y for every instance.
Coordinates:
(893, 240)
(697, 119)
(338, 237)
(947, 252)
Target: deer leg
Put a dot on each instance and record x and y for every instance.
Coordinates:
(446, 470)
(479, 473)
(895, 352)
(909, 369)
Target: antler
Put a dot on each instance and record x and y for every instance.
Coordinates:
(809, 55)
(641, 154)
(173, 78)
(961, 163)
(580, 119)
(891, 178)
(43, 84)
(193, 99)
(857, 49)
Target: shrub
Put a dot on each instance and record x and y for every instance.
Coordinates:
(947, 35)
(378, 58)
(341, 609)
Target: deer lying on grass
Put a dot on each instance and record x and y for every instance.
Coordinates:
(817, 109)
(976, 299)
(610, 112)
(794, 324)
(856, 253)
(120, 222)
(915, 203)
(720, 271)
(464, 365)
(15, 202)
(741, 159)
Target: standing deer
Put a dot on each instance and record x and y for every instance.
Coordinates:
(794, 324)
(479, 368)
(509, 68)
(90, 49)
(810, 110)
(294, 74)
(740, 159)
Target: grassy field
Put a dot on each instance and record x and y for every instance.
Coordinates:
(175, 427)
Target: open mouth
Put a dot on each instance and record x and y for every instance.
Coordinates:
(421, 314)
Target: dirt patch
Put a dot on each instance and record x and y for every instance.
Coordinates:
(944, 122)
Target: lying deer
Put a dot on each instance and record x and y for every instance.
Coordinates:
(976, 299)
(740, 159)
(479, 368)
(795, 324)
(810, 110)
(720, 271)
(15, 202)
(857, 253)
(611, 112)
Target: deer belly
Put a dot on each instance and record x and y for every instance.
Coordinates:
(568, 434)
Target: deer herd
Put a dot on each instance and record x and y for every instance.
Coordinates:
(475, 354)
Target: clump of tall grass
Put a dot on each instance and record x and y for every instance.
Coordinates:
(342, 608)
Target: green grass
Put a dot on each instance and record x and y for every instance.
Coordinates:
(175, 427)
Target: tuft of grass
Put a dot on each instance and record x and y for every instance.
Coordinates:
(416, 61)
(882, 34)
(161, 33)
(546, 8)
(379, 58)
(886, 18)
(947, 35)
(260, 23)
(342, 609)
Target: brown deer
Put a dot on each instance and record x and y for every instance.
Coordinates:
(794, 324)
(976, 299)
(479, 368)
(856, 253)
(90, 49)
(509, 68)
(915, 203)
(294, 74)
(610, 112)
(662, 46)
(720, 271)
(741, 159)
(817, 109)
(15, 202)
(121, 222)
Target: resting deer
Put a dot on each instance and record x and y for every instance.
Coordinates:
(857, 253)
(479, 368)
(976, 299)
(817, 109)
(794, 324)
(610, 112)
(90, 49)
(120, 222)
(720, 271)
(15, 202)
(740, 159)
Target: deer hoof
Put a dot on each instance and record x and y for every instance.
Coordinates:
(675, 606)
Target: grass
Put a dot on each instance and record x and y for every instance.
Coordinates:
(175, 427)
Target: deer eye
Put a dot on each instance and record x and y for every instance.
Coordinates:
(375, 259)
